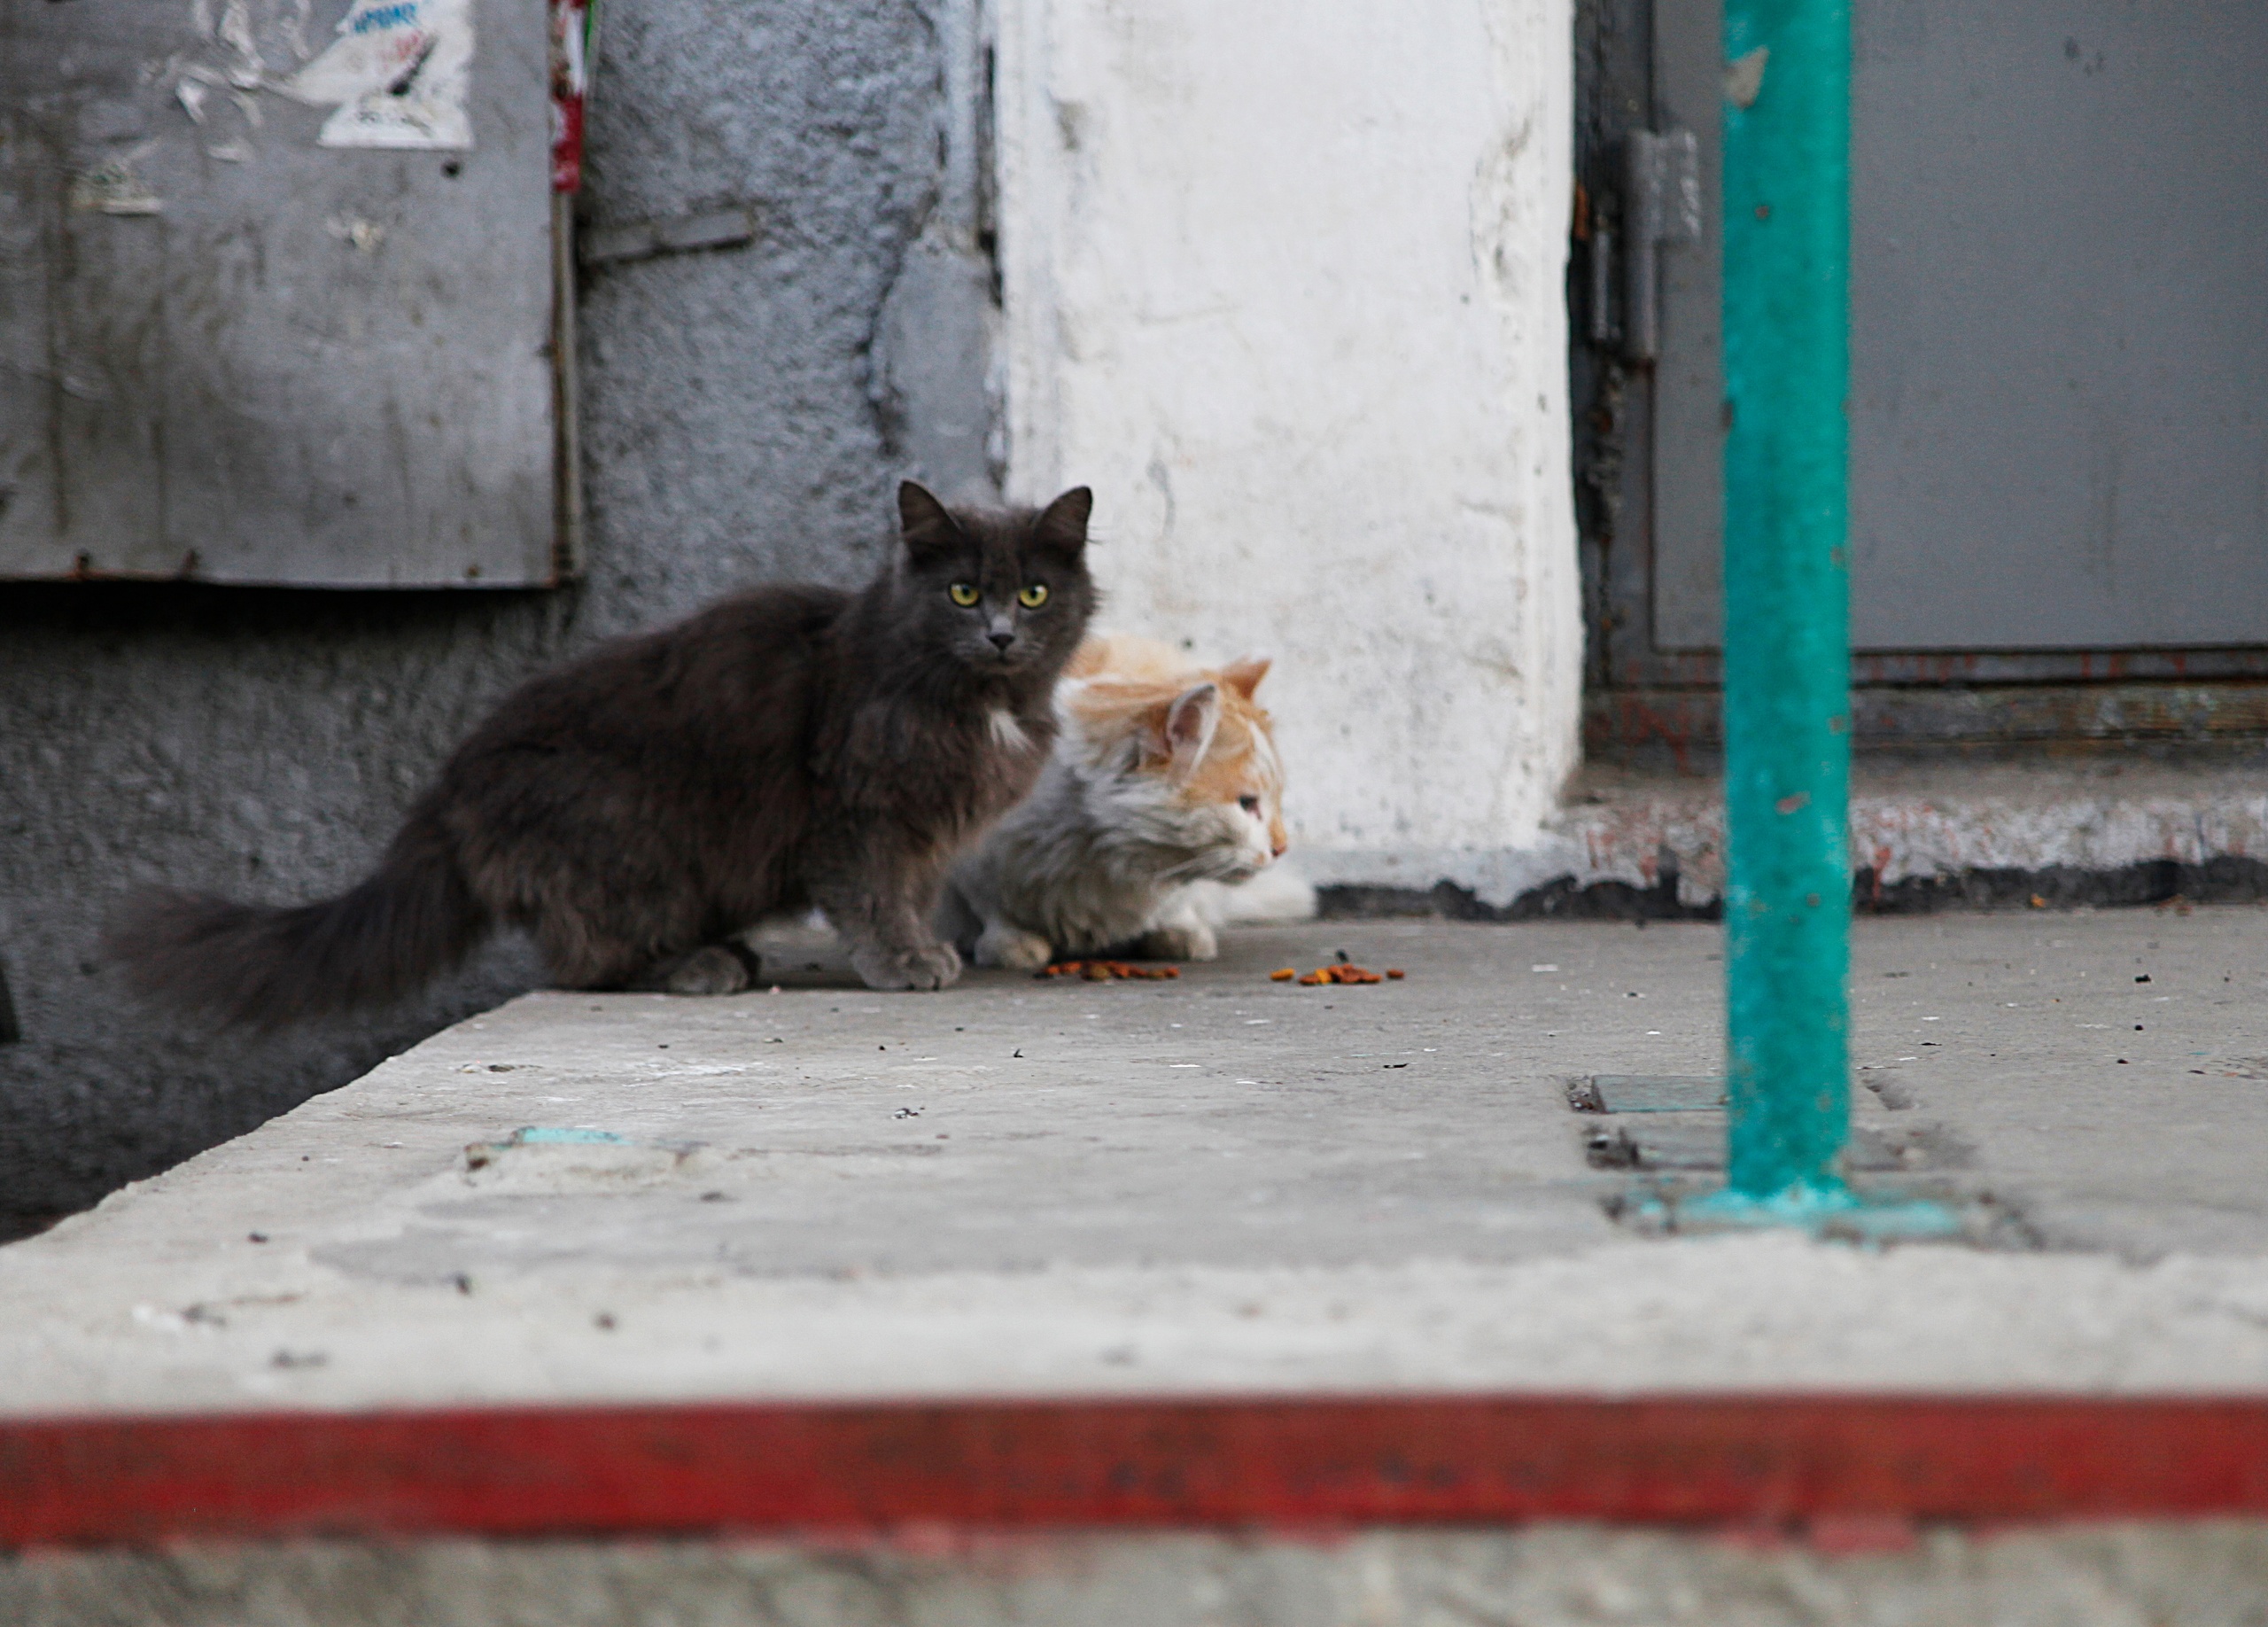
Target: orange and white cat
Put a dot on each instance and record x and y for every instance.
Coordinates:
(1164, 781)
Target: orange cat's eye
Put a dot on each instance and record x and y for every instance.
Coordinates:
(963, 593)
(1033, 596)
(1250, 804)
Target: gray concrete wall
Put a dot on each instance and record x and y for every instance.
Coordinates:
(264, 743)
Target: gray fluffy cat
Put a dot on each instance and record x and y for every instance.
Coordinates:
(639, 808)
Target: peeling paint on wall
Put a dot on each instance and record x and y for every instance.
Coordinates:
(241, 48)
(116, 187)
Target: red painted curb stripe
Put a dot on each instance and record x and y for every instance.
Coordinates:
(522, 1472)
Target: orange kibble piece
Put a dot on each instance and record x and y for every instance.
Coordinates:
(1282, 974)
(1095, 971)
(1316, 978)
(1394, 974)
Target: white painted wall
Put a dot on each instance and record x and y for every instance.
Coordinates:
(1284, 284)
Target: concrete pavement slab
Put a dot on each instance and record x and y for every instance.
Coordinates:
(2125, 1575)
(1219, 1183)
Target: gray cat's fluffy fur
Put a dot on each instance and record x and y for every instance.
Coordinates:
(637, 809)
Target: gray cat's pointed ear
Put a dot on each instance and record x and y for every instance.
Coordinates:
(1063, 524)
(927, 525)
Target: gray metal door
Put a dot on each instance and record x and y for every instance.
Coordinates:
(277, 292)
(2059, 413)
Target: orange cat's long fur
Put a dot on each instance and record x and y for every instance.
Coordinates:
(1164, 778)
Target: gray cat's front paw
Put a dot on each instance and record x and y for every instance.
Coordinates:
(933, 968)
(711, 969)
(1002, 944)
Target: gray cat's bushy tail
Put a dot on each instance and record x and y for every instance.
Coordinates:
(262, 966)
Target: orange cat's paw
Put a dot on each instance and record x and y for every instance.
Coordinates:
(1002, 944)
(1180, 940)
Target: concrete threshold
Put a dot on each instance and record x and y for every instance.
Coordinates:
(1926, 835)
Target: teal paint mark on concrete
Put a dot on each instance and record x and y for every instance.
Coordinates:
(1787, 600)
(1832, 1212)
(539, 1135)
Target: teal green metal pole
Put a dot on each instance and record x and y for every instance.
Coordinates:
(1787, 595)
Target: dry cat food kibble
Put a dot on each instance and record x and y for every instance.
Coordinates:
(1103, 971)
(1346, 972)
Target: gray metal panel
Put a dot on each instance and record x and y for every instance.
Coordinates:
(1645, 1093)
(1689, 386)
(310, 365)
(2059, 355)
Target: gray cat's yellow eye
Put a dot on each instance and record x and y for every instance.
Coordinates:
(1033, 596)
(963, 593)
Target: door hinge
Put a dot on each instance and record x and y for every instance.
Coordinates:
(1661, 204)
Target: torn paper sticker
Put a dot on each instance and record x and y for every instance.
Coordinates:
(571, 22)
(397, 74)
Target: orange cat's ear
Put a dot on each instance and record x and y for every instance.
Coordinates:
(1244, 675)
(1189, 725)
